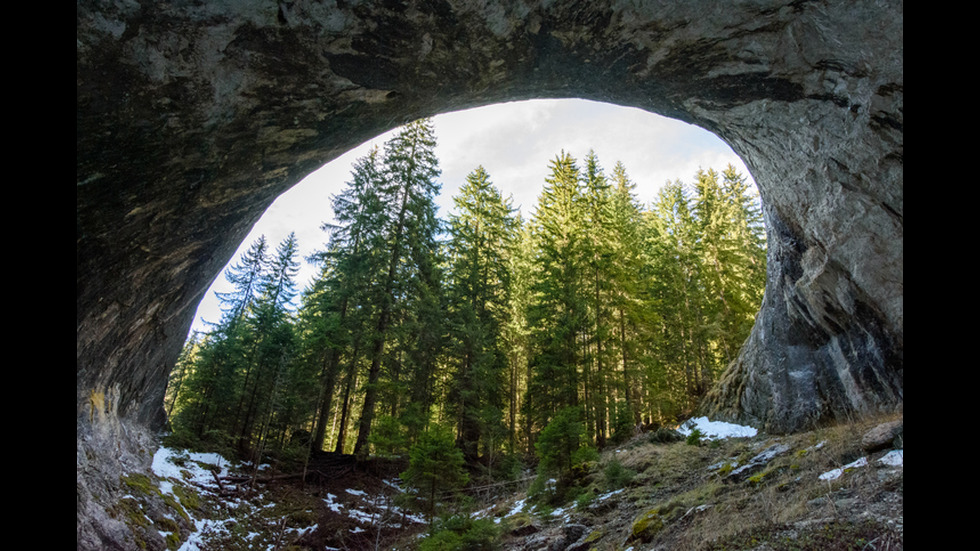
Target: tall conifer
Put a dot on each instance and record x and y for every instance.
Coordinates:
(557, 312)
(481, 231)
(409, 189)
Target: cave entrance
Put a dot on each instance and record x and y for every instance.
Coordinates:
(187, 130)
(514, 142)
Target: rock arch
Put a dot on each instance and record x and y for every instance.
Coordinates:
(193, 116)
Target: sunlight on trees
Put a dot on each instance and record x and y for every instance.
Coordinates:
(480, 334)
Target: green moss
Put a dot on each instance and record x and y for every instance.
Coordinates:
(759, 478)
(846, 536)
(167, 525)
(302, 518)
(140, 483)
(173, 541)
(130, 509)
(647, 525)
(187, 498)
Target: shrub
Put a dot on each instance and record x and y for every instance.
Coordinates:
(584, 499)
(561, 445)
(694, 439)
(389, 437)
(462, 533)
(617, 476)
(665, 436)
(436, 466)
(622, 424)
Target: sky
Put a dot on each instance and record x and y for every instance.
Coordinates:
(514, 142)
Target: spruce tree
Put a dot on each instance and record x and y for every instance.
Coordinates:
(517, 333)
(270, 344)
(436, 468)
(599, 251)
(408, 191)
(339, 297)
(480, 236)
(632, 309)
(557, 311)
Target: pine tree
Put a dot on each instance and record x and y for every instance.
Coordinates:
(707, 264)
(674, 283)
(562, 446)
(633, 309)
(338, 298)
(749, 250)
(270, 344)
(436, 467)
(599, 251)
(517, 333)
(213, 387)
(409, 189)
(480, 236)
(245, 277)
(557, 312)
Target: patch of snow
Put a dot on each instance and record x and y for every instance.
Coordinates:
(393, 484)
(518, 507)
(893, 458)
(716, 429)
(361, 516)
(165, 465)
(333, 505)
(562, 512)
(604, 497)
(356, 492)
(762, 458)
(836, 473)
(714, 467)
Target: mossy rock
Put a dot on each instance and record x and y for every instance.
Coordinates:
(521, 524)
(665, 436)
(188, 498)
(647, 525)
(141, 483)
(302, 518)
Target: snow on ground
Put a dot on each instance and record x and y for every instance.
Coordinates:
(170, 465)
(720, 429)
(173, 466)
(894, 458)
(715, 429)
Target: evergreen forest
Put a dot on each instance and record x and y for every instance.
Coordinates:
(499, 339)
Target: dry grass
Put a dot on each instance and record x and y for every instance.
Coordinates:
(784, 506)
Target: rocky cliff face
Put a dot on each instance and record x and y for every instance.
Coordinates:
(192, 117)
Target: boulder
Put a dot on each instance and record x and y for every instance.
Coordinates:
(884, 436)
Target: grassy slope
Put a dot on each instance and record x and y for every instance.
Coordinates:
(683, 497)
(671, 496)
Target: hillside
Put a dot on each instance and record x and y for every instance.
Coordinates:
(826, 489)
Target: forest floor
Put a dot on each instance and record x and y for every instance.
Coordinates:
(821, 489)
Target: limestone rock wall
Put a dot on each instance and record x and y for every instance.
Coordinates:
(191, 117)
